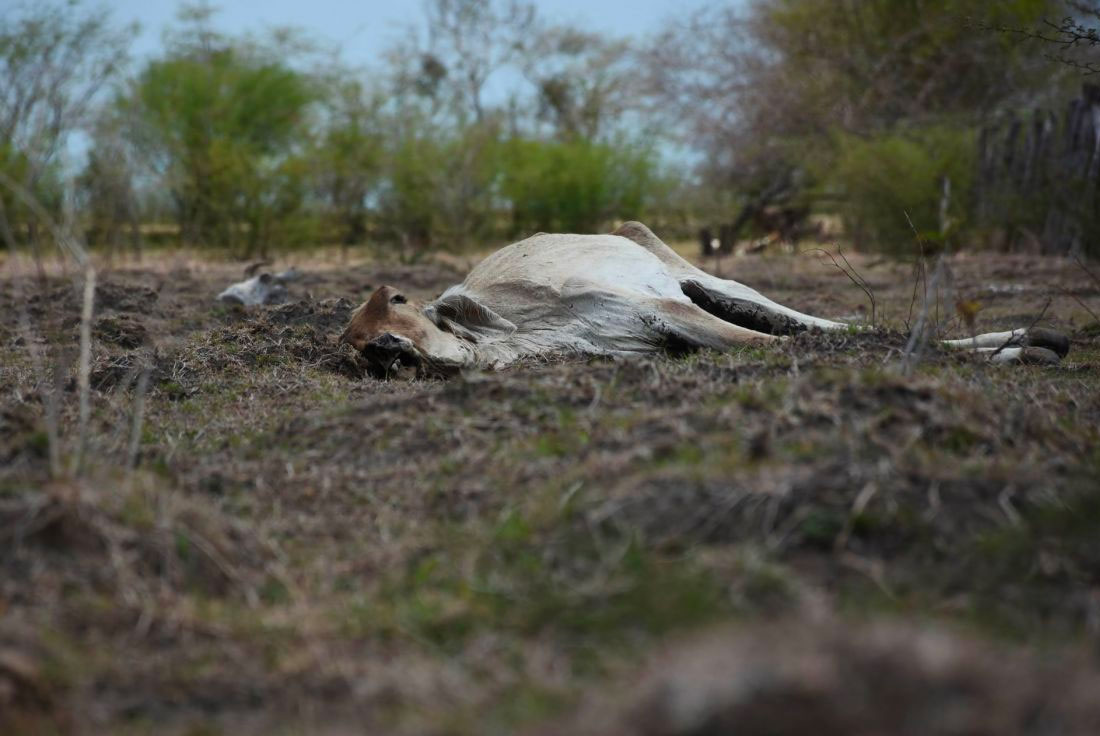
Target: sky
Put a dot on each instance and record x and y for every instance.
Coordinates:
(364, 28)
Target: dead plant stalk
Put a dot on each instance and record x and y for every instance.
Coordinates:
(918, 337)
(84, 366)
(135, 426)
(854, 276)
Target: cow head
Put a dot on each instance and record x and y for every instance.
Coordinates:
(389, 331)
(261, 289)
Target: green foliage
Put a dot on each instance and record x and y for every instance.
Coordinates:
(513, 578)
(349, 157)
(468, 168)
(409, 201)
(55, 57)
(224, 123)
(881, 178)
(27, 191)
(15, 168)
(574, 186)
(899, 90)
(876, 63)
(870, 103)
(862, 108)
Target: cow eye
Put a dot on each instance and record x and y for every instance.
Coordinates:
(398, 299)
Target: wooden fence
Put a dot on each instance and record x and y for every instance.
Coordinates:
(1038, 176)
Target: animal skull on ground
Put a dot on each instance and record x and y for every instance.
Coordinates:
(261, 289)
(622, 293)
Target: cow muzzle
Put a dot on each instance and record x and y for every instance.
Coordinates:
(388, 353)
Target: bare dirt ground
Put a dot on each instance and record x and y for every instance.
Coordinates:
(809, 536)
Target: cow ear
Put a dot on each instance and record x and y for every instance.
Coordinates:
(465, 317)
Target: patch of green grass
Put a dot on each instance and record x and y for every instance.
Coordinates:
(760, 584)
(513, 576)
(38, 443)
(174, 391)
(821, 527)
(761, 396)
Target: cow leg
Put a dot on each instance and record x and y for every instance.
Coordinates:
(727, 300)
(1035, 345)
(737, 303)
(734, 304)
(687, 324)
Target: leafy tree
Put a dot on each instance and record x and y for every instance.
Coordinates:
(584, 83)
(891, 183)
(574, 186)
(469, 168)
(349, 158)
(776, 96)
(469, 40)
(409, 198)
(55, 58)
(223, 121)
(106, 187)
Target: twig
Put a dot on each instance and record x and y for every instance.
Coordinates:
(1079, 300)
(862, 283)
(49, 398)
(852, 275)
(1027, 329)
(919, 269)
(225, 566)
(1069, 35)
(135, 426)
(1090, 274)
(84, 366)
(858, 507)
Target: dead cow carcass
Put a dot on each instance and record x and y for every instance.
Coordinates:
(622, 293)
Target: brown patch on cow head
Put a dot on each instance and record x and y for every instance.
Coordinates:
(389, 329)
(387, 310)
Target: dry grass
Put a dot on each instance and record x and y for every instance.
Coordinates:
(305, 548)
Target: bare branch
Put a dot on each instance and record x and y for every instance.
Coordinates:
(848, 270)
(1090, 274)
(84, 367)
(1068, 35)
(1012, 340)
(138, 418)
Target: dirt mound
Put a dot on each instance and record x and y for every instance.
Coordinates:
(21, 433)
(848, 681)
(109, 295)
(25, 689)
(328, 315)
(869, 486)
(117, 557)
(298, 332)
(248, 338)
(122, 330)
(124, 538)
(123, 297)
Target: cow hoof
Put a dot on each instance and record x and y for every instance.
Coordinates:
(1027, 356)
(1041, 337)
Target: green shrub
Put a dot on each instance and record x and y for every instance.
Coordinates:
(880, 179)
(574, 186)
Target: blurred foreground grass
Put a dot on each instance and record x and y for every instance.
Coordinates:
(303, 548)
